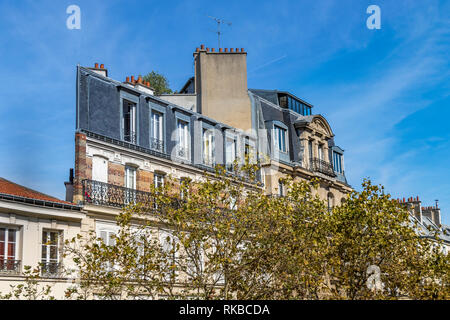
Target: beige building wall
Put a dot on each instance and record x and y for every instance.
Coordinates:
(221, 86)
(30, 221)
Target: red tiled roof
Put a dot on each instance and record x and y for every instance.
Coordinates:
(11, 188)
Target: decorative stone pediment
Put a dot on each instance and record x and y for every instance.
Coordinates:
(315, 123)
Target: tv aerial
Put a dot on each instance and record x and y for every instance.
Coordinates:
(219, 22)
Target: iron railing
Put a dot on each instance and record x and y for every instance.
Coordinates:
(129, 136)
(9, 266)
(157, 144)
(51, 269)
(319, 165)
(100, 193)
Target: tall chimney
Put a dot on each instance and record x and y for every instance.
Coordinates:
(221, 86)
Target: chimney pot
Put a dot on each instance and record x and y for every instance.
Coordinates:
(231, 50)
(197, 50)
(139, 79)
(242, 49)
(102, 66)
(96, 66)
(127, 79)
(213, 50)
(220, 49)
(237, 49)
(207, 49)
(132, 79)
(226, 49)
(404, 200)
(202, 47)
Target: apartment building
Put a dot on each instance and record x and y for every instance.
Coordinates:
(291, 140)
(428, 219)
(33, 227)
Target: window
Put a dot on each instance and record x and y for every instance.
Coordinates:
(208, 147)
(170, 254)
(50, 252)
(8, 250)
(129, 121)
(183, 139)
(108, 237)
(330, 201)
(100, 176)
(130, 177)
(320, 152)
(280, 139)
(158, 180)
(337, 162)
(157, 131)
(107, 233)
(230, 150)
(184, 188)
(130, 184)
(249, 151)
(281, 191)
(310, 147)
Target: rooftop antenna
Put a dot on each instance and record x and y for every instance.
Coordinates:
(219, 22)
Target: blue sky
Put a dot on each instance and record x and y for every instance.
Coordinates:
(385, 92)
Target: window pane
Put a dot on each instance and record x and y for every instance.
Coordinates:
(44, 252)
(11, 251)
(53, 252)
(54, 238)
(11, 235)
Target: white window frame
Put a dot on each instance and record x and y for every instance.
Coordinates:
(133, 119)
(230, 155)
(48, 259)
(163, 234)
(183, 137)
(280, 132)
(208, 147)
(6, 242)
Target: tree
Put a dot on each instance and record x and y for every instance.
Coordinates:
(158, 82)
(223, 238)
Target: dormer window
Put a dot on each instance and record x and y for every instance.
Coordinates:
(208, 147)
(230, 148)
(183, 139)
(280, 138)
(337, 162)
(157, 131)
(129, 121)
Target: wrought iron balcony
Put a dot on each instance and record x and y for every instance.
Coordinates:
(129, 136)
(106, 194)
(51, 269)
(157, 144)
(319, 165)
(9, 266)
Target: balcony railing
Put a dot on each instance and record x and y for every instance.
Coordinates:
(51, 269)
(157, 144)
(106, 194)
(319, 165)
(9, 266)
(129, 136)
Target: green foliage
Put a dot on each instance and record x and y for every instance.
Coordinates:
(158, 82)
(30, 289)
(226, 239)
